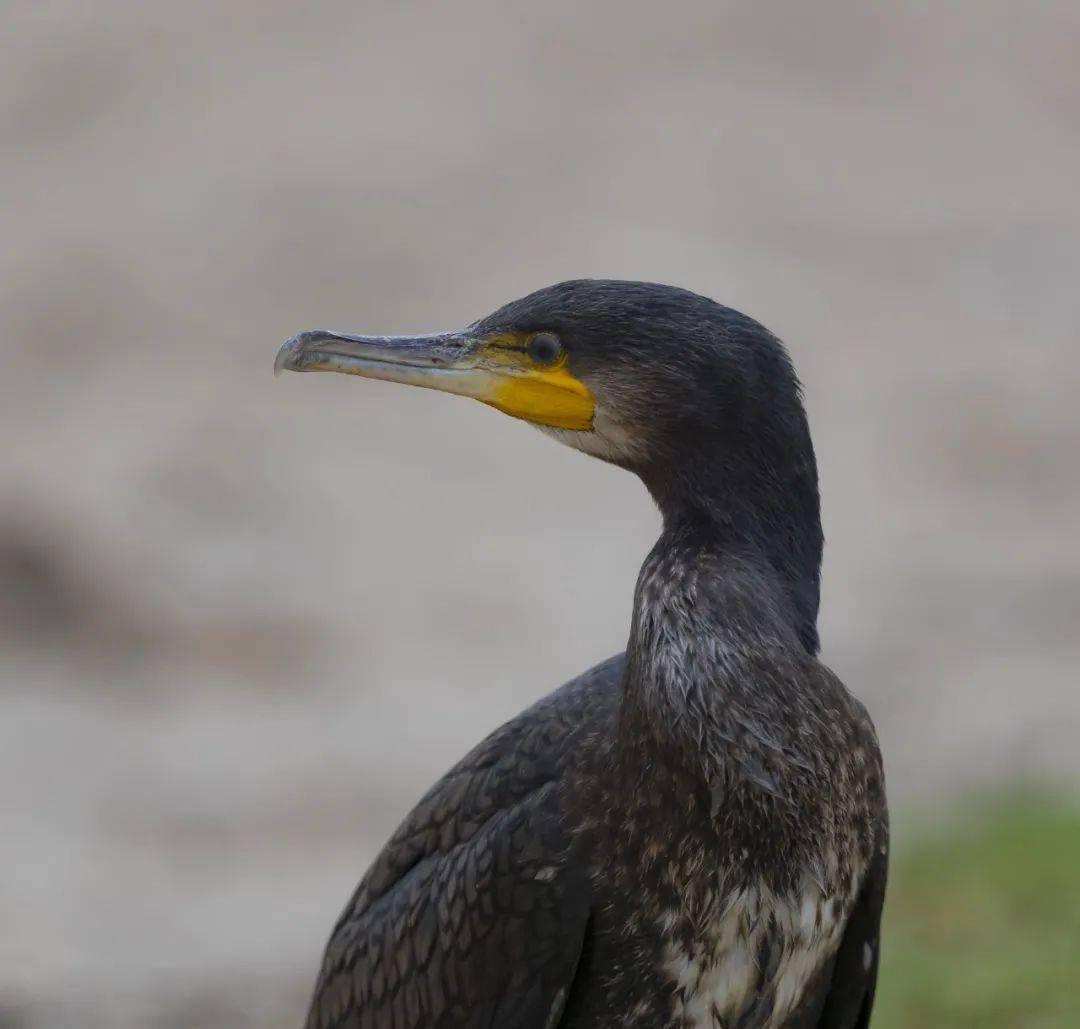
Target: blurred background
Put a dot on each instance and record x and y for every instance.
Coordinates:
(243, 624)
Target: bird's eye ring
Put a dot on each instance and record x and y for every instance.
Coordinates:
(544, 348)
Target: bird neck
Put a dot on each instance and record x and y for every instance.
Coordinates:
(761, 510)
(729, 591)
(712, 620)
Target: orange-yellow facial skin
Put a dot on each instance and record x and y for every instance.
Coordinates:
(545, 394)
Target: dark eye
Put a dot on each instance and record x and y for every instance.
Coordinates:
(545, 348)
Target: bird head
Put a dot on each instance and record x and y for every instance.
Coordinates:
(634, 373)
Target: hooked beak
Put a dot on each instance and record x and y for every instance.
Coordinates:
(495, 370)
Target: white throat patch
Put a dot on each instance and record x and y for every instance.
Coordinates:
(607, 439)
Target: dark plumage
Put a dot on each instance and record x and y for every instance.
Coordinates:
(693, 833)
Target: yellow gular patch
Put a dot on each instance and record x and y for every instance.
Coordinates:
(549, 396)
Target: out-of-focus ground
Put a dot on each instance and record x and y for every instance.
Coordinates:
(982, 925)
(244, 623)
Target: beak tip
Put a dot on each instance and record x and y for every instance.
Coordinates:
(288, 354)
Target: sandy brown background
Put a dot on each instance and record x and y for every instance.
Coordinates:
(244, 623)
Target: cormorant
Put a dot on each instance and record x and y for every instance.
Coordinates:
(693, 833)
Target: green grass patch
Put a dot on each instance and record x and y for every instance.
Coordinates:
(982, 921)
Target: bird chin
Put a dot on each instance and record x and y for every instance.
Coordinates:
(607, 440)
